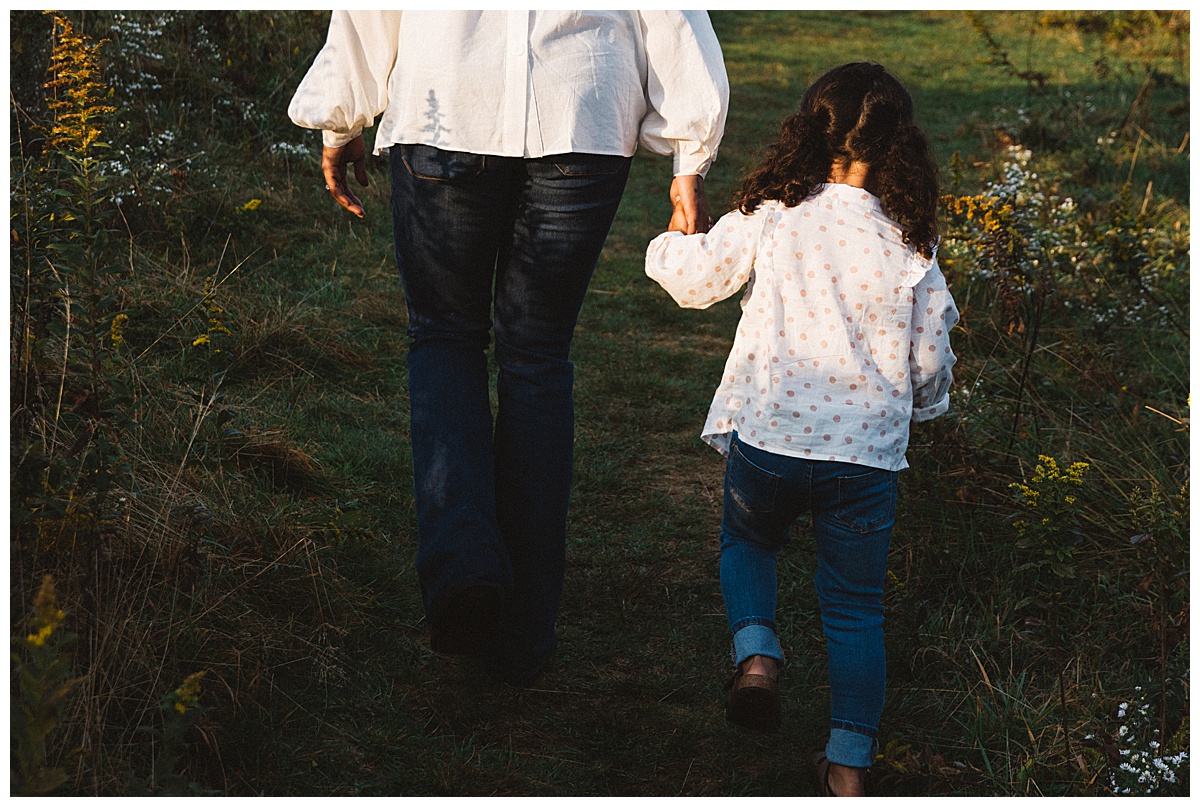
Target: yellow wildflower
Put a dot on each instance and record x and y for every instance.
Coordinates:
(1076, 471)
(38, 639)
(115, 331)
(74, 90)
(46, 614)
(214, 312)
(188, 694)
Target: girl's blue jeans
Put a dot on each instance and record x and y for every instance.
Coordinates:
(853, 509)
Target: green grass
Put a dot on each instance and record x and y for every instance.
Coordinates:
(279, 556)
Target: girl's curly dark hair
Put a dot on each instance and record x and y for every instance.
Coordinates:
(854, 112)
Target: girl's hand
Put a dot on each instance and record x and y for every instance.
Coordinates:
(678, 220)
(333, 166)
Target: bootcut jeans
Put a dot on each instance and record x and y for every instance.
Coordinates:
(853, 509)
(501, 245)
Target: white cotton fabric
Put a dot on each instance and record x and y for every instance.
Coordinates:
(844, 335)
(522, 83)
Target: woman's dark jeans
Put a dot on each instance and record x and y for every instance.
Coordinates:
(853, 509)
(501, 244)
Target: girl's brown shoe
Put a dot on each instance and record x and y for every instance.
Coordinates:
(753, 702)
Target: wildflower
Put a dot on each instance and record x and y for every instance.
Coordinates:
(187, 696)
(1049, 492)
(74, 90)
(38, 639)
(115, 331)
(216, 323)
(1143, 762)
(251, 205)
(46, 614)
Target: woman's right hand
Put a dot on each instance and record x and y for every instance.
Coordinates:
(333, 166)
(689, 203)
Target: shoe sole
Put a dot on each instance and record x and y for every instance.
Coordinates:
(754, 708)
(468, 625)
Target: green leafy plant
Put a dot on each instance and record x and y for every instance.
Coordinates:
(42, 675)
(1049, 504)
(180, 709)
(73, 401)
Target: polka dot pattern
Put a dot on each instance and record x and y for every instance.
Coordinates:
(844, 336)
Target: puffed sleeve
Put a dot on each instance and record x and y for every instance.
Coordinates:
(687, 90)
(930, 359)
(702, 269)
(347, 85)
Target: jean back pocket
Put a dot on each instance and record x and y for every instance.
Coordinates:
(430, 162)
(753, 488)
(590, 165)
(867, 501)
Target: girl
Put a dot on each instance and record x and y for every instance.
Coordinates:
(843, 341)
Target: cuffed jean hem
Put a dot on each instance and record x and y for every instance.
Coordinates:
(756, 640)
(851, 748)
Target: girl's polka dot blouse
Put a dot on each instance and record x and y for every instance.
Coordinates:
(845, 330)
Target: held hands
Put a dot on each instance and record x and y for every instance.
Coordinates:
(333, 166)
(690, 214)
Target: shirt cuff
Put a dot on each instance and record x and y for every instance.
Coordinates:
(335, 140)
(694, 163)
(920, 414)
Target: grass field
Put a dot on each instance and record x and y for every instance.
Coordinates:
(209, 450)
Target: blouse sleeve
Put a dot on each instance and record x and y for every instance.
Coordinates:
(930, 357)
(347, 86)
(702, 269)
(687, 89)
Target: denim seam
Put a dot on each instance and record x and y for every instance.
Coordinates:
(754, 620)
(857, 728)
(863, 475)
(567, 170)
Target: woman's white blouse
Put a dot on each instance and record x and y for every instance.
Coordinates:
(844, 335)
(522, 83)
